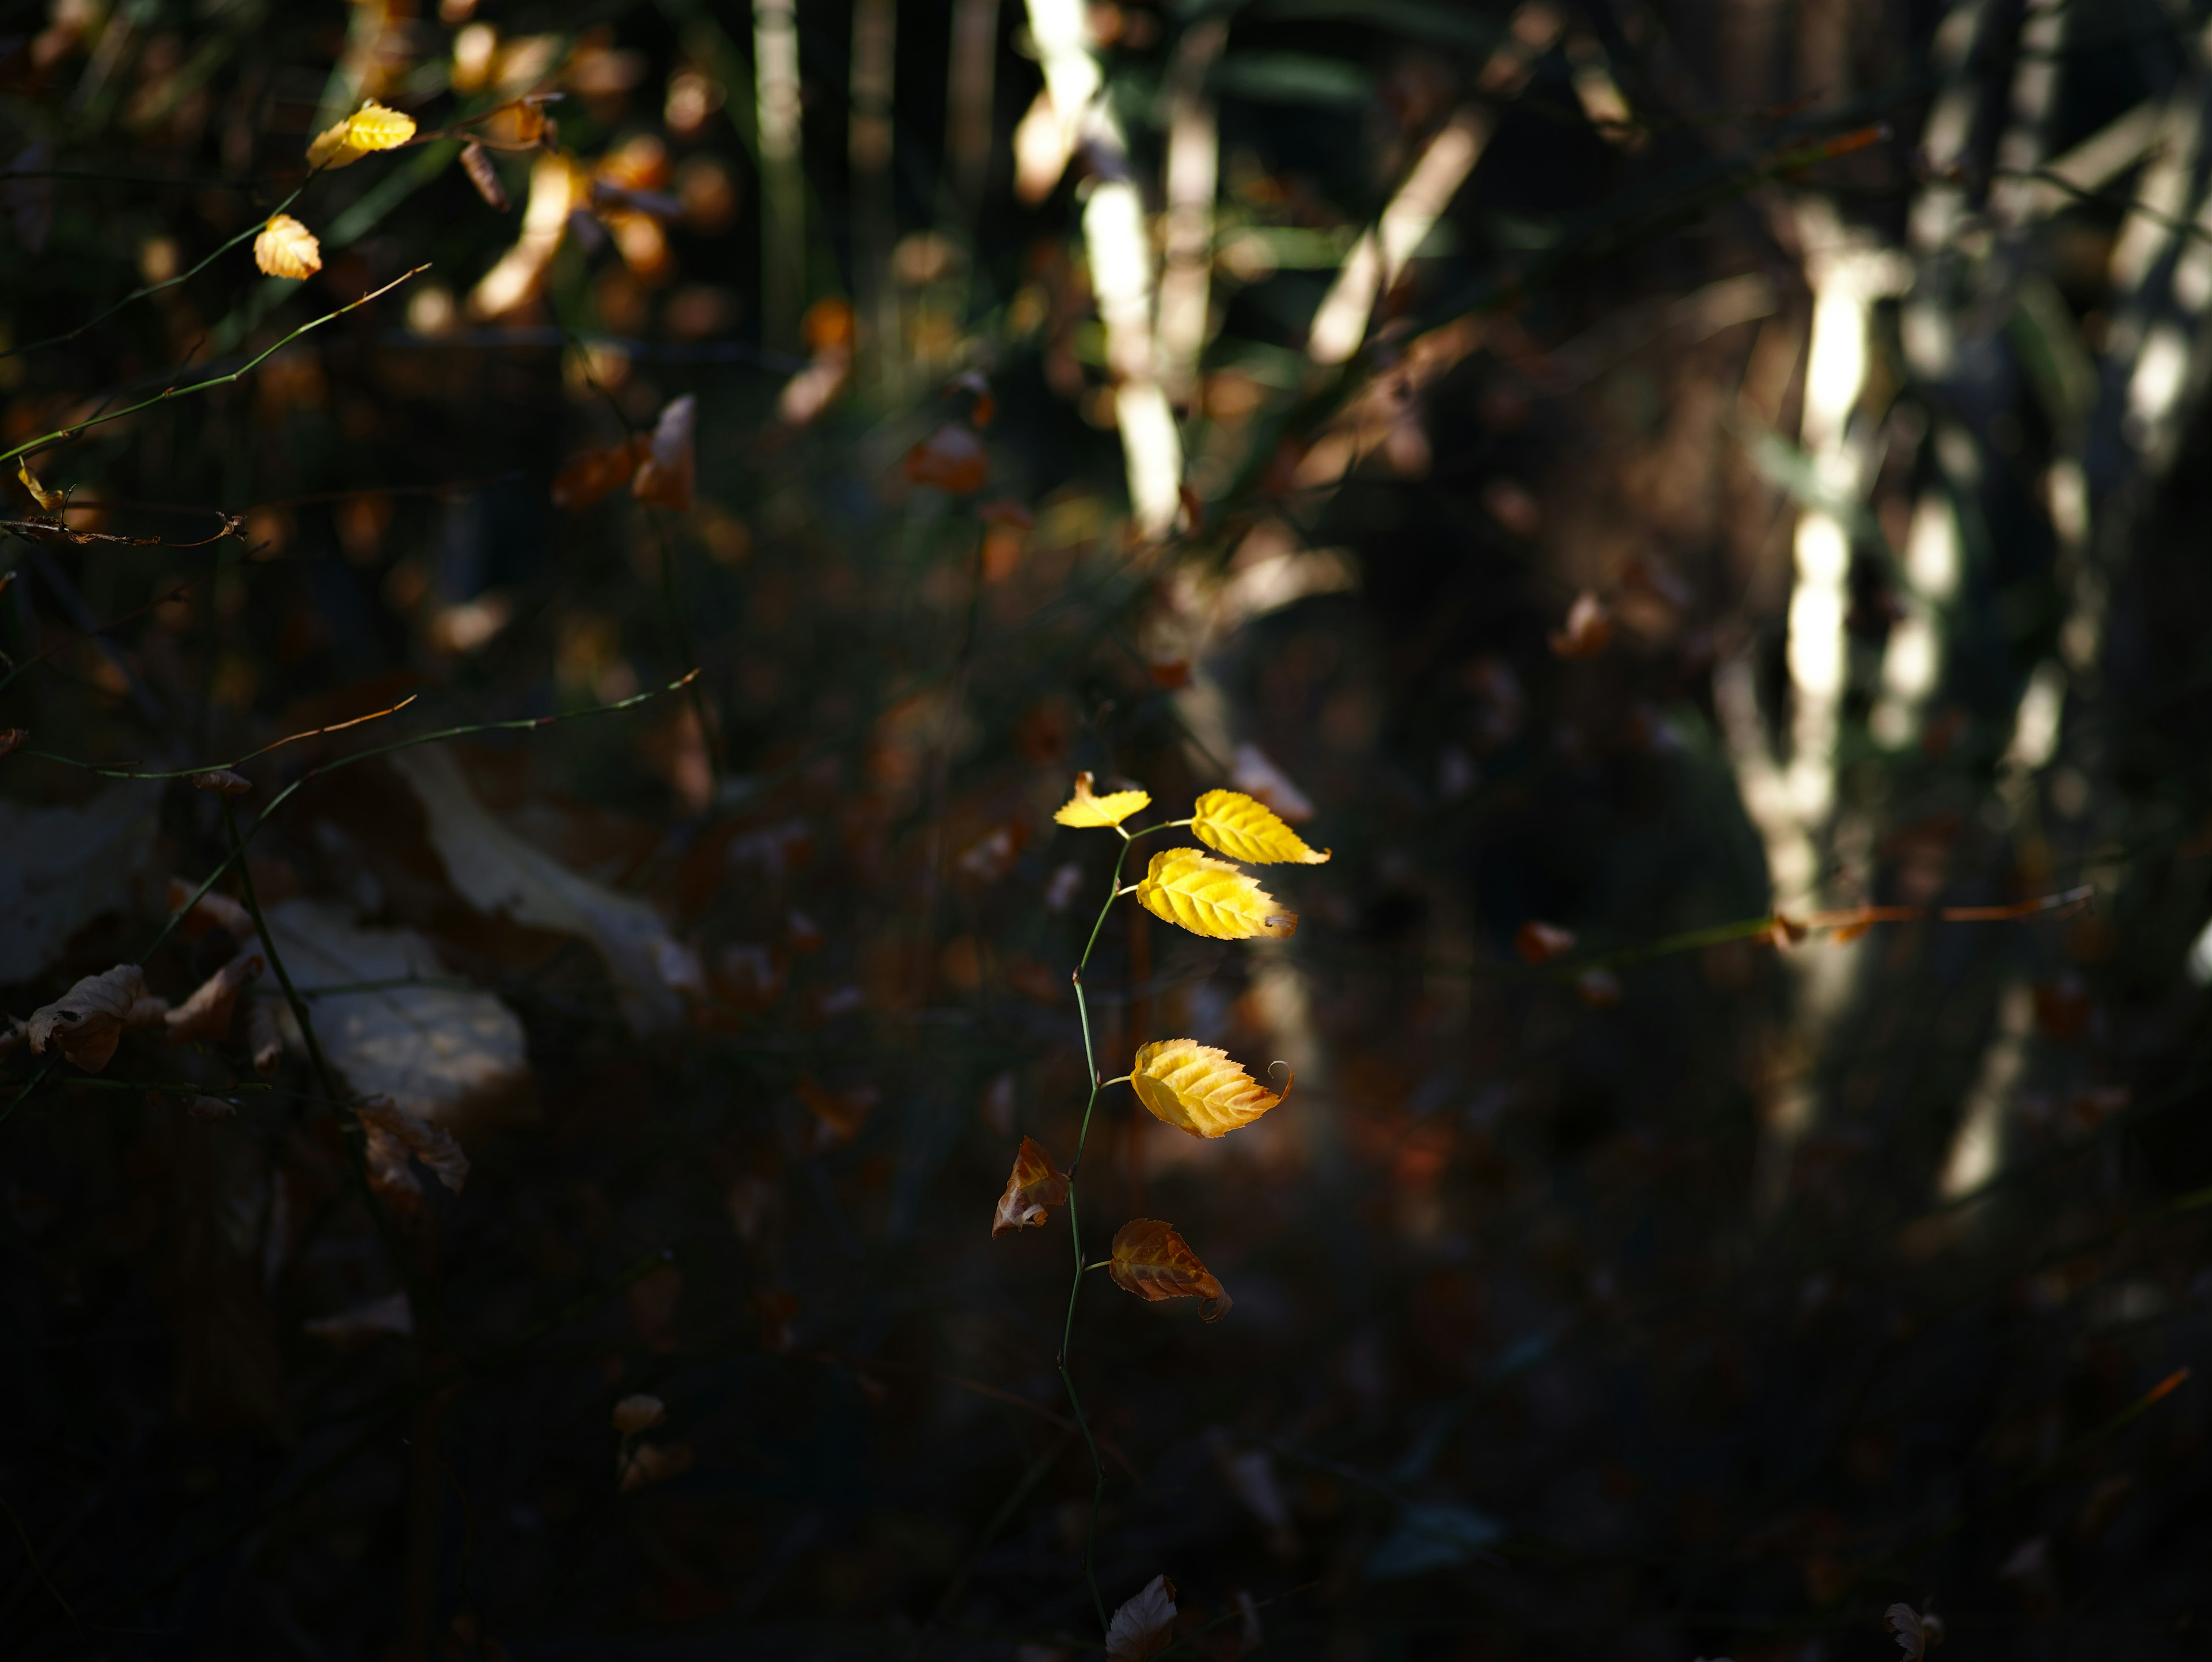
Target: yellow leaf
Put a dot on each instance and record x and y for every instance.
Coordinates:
(1211, 897)
(371, 127)
(1250, 831)
(1154, 1262)
(1032, 1190)
(1196, 1088)
(1085, 809)
(51, 501)
(286, 248)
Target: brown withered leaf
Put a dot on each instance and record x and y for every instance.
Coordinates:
(1154, 1262)
(223, 782)
(206, 1014)
(476, 162)
(88, 1021)
(1588, 630)
(1540, 943)
(214, 911)
(952, 459)
(1142, 1626)
(393, 1134)
(639, 1413)
(1032, 1190)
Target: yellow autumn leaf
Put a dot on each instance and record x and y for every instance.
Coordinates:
(1033, 1188)
(1248, 829)
(371, 127)
(1212, 898)
(52, 502)
(286, 248)
(1085, 809)
(1154, 1262)
(1196, 1088)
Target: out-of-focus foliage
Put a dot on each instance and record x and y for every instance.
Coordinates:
(538, 888)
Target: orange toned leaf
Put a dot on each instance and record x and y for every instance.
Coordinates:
(1196, 1088)
(952, 459)
(1244, 829)
(1588, 630)
(1540, 943)
(1032, 1190)
(1210, 897)
(372, 127)
(1154, 1262)
(667, 475)
(1141, 1628)
(590, 479)
(476, 162)
(286, 248)
(206, 1014)
(1084, 809)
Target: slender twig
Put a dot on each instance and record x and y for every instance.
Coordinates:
(128, 771)
(45, 1580)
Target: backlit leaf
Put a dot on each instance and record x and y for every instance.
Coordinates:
(1243, 829)
(50, 501)
(1154, 1262)
(372, 127)
(1142, 1627)
(1196, 1088)
(1210, 897)
(1111, 809)
(1032, 1190)
(286, 248)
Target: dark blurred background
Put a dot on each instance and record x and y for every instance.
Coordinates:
(1696, 506)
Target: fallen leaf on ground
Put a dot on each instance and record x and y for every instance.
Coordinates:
(206, 1014)
(65, 867)
(1032, 1190)
(214, 911)
(1085, 809)
(1196, 1088)
(1141, 1628)
(88, 1021)
(1154, 1262)
(393, 1134)
(497, 871)
(1210, 897)
(1235, 824)
(356, 1325)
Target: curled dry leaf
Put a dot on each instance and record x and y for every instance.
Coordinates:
(1210, 897)
(1142, 1627)
(641, 1463)
(286, 248)
(88, 1021)
(1588, 630)
(264, 1043)
(370, 128)
(1154, 1262)
(476, 162)
(1235, 824)
(49, 501)
(640, 1413)
(952, 459)
(206, 1014)
(591, 478)
(223, 782)
(1196, 1088)
(393, 1134)
(1540, 943)
(1084, 809)
(1032, 1190)
(213, 910)
(668, 475)
(356, 1325)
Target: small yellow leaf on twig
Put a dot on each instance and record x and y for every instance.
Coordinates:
(1212, 898)
(1032, 1190)
(286, 248)
(1196, 1088)
(1235, 824)
(1142, 1628)
(1154, 1262)
(372, 127)
(1084, 809)
(88, 1021)
(49, 501)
